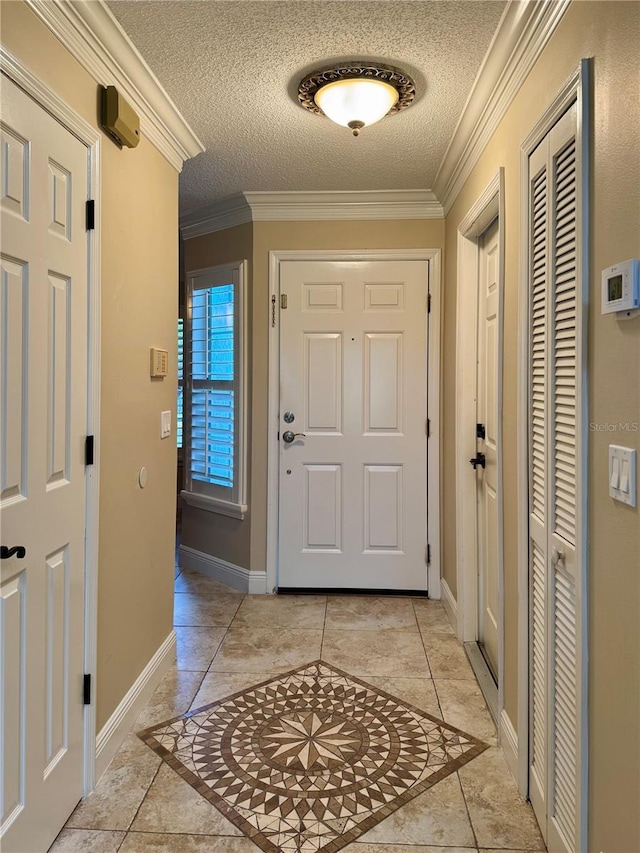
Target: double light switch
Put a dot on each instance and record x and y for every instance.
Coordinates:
(622, 474)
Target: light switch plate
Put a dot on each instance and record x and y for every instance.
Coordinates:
(622, 474)
(165, 424)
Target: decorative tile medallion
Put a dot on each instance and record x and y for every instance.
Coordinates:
(312, 759)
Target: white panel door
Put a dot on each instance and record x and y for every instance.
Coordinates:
(353, 367)
(43, 397)
(555, 445)
(487, 477)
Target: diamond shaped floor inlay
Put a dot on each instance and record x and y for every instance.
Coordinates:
(311, 759)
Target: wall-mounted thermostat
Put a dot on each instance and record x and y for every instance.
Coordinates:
(621, 287)
(159, 362)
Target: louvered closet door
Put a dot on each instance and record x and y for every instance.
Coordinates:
(554, 448)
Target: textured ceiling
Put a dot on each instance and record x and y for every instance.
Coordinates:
(233, 66)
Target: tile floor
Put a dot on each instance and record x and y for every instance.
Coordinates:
(226, 642)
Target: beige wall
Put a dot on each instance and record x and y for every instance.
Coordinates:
(608, 32)
(139, 206)
(214, 534)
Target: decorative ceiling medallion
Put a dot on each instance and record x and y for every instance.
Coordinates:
(352, 105)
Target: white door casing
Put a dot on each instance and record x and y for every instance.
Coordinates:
(487, 208)
(555, 181)
(487, 415)
(44, 326)
(353, 356)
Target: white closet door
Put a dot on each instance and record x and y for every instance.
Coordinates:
(555, 487)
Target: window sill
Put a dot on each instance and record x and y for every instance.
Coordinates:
(214, 505)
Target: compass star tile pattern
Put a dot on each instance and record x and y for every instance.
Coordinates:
(310, 760)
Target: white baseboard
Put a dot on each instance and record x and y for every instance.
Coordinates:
(509, 743)
(234, 576)
(119, 723)
(450, 604)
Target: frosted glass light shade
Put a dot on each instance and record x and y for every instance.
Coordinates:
(363, 101)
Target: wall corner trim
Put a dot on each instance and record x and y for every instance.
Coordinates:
(237, 577)
(509, 744)
(450, 603)
(310, 206)
(96, 40)
(119, 723)
(524, 31)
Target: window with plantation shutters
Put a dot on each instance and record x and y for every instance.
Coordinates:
(557, 697)
(214, 383)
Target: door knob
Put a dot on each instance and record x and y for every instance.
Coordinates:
(18, 551)
(289, 436)
(480, 460)
(557, 556)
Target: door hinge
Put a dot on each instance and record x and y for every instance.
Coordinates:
(283, 300)
(88, 450)
(86, 690)
(428, 428)
(429, 304)
(91, 215)
(427, 555)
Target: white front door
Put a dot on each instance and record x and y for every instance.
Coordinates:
(353, 391)
(487, 444)
(43, 416)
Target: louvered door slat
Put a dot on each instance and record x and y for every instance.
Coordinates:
(565, 699)
(539, 661)
(538, 343)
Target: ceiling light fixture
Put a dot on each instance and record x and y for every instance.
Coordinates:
(356, 95)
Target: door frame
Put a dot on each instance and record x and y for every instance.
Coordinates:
(433, 257)
(576, 89)
(21, 75)
(488, 206)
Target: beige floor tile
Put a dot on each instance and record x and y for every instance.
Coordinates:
(364, 847)
(436, 817)
(432, 616)
(390, 652)
(502, 850)
(463, 706)
(500, 817)
(260, 649)
(172, 697)
(370, 613)
(219, 685)
(200, 584)
(172, 805)
(419, 692)
(281, 611)
(152, 842)
(115, 801)
(447, 658)
(197, 646)
(215, 610)
(87, 841)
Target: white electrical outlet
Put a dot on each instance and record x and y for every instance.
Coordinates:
(622, 474)
(165, 424)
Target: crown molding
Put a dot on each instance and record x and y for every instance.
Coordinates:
(524, 31)
(214, 217)
(97, 41)
(309, 206)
